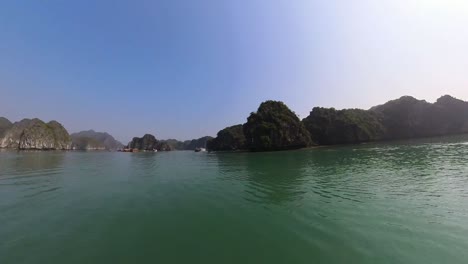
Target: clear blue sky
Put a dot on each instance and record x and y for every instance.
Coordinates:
(184, 69)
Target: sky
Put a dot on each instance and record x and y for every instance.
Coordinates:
(186, 69)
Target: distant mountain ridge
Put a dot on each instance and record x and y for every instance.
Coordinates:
(92, 140)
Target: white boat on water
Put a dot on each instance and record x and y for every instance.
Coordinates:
(200, 150)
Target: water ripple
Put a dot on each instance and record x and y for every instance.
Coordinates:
(394, 202)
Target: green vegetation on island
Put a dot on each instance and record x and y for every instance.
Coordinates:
(275, 127)
(408, 117)
(147, 142)
(229, 139)
(328, 126)
(35, 134)
(272, 127)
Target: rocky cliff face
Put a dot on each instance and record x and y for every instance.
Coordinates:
(35, 134)
(275, 127)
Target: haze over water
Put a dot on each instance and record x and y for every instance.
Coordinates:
(401, 202)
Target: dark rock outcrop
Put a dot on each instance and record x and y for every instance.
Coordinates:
(228, 139)
(328, 126)
(35, 134)
(403, 118)
(448, 116)
(147, 142)
(92, 140)
(408, 117)
(275, 127)
(164, 146)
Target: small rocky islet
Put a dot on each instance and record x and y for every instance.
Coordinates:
(272, 127)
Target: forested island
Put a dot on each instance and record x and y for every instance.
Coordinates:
(275, 127)
(272, 127)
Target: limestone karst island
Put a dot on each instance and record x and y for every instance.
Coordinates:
(234, 132)
(274, 126)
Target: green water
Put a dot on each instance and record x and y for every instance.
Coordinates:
(376, 203)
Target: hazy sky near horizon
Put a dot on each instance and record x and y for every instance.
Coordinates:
(185, 69)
